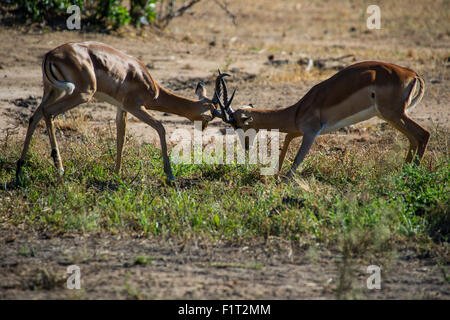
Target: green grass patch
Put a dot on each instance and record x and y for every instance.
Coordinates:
(365, 200)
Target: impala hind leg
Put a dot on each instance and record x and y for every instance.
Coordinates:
(418, 137)
(54, 144)
(52, 110)
(48, 110)
(422, 135)
(32, 124)
(144, 116)
(48, 96)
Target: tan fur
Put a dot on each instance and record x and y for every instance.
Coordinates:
(74, 72)
(354, 94)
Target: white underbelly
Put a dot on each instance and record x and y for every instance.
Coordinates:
(355, 118)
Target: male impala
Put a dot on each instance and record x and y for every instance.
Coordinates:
(356, 93)
(73, 73)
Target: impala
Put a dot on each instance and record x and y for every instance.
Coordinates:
(354, 94)
(74, 73)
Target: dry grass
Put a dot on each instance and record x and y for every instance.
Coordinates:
(293, 74)
(76, 120)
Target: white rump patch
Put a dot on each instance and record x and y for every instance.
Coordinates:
(412, 95)
(67, 86)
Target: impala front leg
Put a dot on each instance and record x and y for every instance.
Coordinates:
(287, 140)
(121, 124)
(308, 139)
(144, 116)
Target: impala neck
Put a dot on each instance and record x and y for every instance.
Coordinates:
(168, 101)
(282, 119)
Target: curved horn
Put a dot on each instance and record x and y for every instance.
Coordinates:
(225, 107)
(225, 97)
(217, 91)
(225, 91)
(218, 83)
(222, 108)
(228, 105)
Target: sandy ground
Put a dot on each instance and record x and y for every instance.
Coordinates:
(271, 269)
(194, 47)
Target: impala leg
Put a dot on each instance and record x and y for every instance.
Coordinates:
(52, 110)
(287, 140)
(144, 116)
(308, 139)
(418, 137)
(413, 143)
(34, 120)
(54, 144)
(48, 97)
(422, 135)
(49, 110)
(121, 123)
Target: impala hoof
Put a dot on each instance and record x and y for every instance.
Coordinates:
(170, 181)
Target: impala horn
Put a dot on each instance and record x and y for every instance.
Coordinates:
(217, 94)
(225, 98)
(226, 106)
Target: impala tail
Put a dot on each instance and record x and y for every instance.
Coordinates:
(416, 94)
(47, 69)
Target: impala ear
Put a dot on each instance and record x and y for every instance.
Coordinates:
(200, 91)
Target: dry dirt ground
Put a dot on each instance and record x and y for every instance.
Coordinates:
(195, 45)
(33, 267)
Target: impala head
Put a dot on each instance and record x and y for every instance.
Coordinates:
(243, 118)
(211, 108)
(239, 119)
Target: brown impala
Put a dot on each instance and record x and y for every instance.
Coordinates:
(75, 72)
(356, 93)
